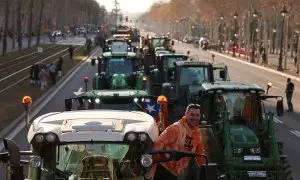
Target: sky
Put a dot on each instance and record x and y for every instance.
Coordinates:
(132, 6)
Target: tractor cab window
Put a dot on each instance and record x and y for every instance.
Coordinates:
(91, 161)
(169, 61)
(119, 66)
(159, 42)
(243, 107)
(193, 75)
(117, 43)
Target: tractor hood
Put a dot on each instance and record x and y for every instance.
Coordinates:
(118, 81)
(243, 137)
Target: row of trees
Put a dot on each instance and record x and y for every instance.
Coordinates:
(33, 17)
(252, 31)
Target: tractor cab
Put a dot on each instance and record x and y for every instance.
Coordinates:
(119, 70)
(243, 129)
(220, 72)
(163, 69)
(116, 45)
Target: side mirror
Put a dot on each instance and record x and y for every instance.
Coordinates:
(279, 108)
(188, 53)
(68, 104)
(222, 74)
(172, 43)
(200, 93)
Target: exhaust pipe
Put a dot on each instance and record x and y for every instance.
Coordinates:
(14, 152)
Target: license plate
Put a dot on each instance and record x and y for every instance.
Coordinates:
(252, 158)
(257, 173)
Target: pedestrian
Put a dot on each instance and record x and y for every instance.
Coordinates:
(59, 66)
(289, 94)
(183, 135)
(71, 51)
(52, 75)
(43, 78)
(31, 74)
(36, 73)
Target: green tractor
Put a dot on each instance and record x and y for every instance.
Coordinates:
(238, 133)
(155, 46)
(119, 70)
(185, 84)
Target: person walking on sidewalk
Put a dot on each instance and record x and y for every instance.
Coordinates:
(36, 73)
(59, 65)
(52, 75)
(71, 51)
(289, 94)
(43, 78)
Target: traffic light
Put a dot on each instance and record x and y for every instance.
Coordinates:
(126, 18)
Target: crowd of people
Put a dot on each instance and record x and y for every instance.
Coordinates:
(41, 75)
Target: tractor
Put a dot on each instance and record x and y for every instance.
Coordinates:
(114, 44)
(163, 70)
(185, 84)
(119, 70)
(153, 47)
(239, 133)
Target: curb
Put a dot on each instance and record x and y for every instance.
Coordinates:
(257, 66)
(5, 132)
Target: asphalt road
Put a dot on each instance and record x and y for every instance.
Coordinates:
(287, 126)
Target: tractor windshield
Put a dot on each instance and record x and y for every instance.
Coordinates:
(119, 66)
(193, 75)
(159, 42)
(243, 107)
(89, 161)
(169, 61)
(124, 103)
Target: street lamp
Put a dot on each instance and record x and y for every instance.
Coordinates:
(255, 15)
(235, 16)
(221, 32)
(273, 43)
(283, 14)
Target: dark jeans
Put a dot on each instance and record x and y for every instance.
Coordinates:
(52, 77)
(289, 97)
(163, 174)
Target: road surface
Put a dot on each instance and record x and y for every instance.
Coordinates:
(288, 126)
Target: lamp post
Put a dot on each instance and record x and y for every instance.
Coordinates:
(283, 14)
(273, 41)
(255, 15)
(221, 33)
(235, 34)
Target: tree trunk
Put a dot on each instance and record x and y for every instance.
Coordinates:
(19, 24)
(13, 44)
(298, 55)
(286, 34)
(30, 23)
(7, 4)
(266, 42)
(40, 22)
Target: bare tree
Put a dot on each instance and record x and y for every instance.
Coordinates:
(7, 5)
(40, 22)
(30, 22)
(19, 24)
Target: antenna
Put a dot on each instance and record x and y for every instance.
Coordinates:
(116, 11)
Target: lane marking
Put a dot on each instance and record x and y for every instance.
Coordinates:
(296, 133)
(22, 124)
(277, 120)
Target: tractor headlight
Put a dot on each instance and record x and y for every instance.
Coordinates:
(135, 100)
(237, 150)
(97, 100)
(143, 137)
(131, 136)
(255, 150)
(35, 161)
(146, 160)
(144, 78)
(39, 138)
(50, 137)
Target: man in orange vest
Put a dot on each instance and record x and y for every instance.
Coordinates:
(183, 135)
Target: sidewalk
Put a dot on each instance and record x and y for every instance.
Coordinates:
(272, 63)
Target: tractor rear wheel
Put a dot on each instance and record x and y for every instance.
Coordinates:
(287, 170)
